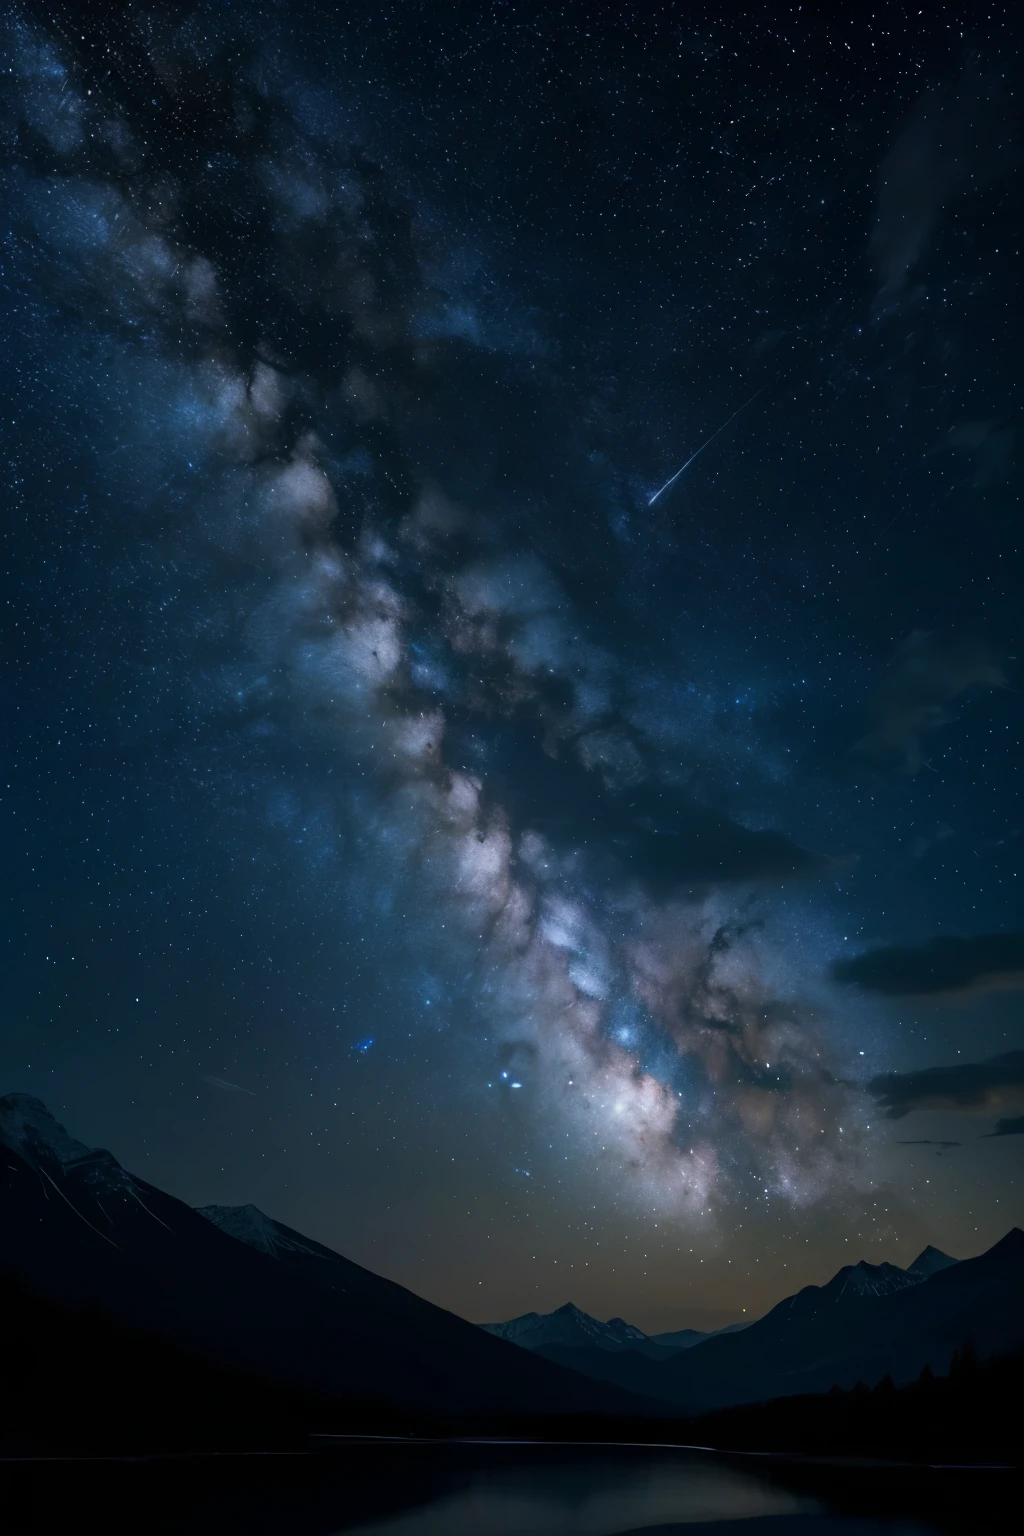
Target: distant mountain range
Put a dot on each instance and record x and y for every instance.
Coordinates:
(232, 1285)
(868, 1320)
(569, 1328)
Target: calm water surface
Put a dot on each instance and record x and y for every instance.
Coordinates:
(424, 1489)
(548, 1491)
(594, 1497)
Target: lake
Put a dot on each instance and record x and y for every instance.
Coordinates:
(467, 1489)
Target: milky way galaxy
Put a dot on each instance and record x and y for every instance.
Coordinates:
(503, 830)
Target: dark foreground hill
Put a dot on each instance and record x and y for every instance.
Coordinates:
(74, 1381)
(248, 1293)
(971, 1415)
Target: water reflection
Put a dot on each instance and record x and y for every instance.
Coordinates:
(474, 1489)
(590, 1497)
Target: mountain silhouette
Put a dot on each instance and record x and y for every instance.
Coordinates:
(869, 1320)
(236, 1287)
(239, 1288)
(569, 1328)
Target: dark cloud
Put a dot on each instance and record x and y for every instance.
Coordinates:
(928, 672)
(647, 833)
(954, 143)
(1014, 1127)
(949, 964)
(980, 1087)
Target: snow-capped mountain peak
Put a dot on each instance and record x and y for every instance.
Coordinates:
(567, 1327)
(249, 1225)
(866, 1279)
(30, 1131)
(625, 1331)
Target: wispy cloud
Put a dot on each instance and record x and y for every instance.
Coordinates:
(946, 965)
(978, 1087)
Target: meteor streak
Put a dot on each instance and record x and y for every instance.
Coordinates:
(706, 444)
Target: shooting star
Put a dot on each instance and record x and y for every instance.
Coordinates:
(707, 444)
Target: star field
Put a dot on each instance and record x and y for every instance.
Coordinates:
(534, 886)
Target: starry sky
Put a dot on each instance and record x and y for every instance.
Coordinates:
(537, 887)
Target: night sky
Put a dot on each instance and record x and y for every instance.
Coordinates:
(535, 891)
